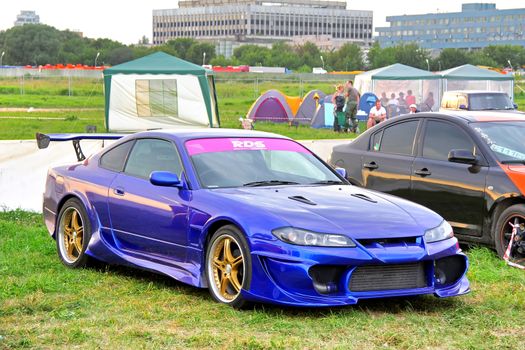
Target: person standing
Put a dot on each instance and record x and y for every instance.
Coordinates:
(402, 103)
(428, 104)
(377, 115)
(384, 99)
(392, 105)
(410, 99)
(352, 101)
(338, 100)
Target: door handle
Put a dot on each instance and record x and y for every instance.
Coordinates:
(423, 172)
(371, 165)
(119, 191)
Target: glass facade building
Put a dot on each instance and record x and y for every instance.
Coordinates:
(477, 25)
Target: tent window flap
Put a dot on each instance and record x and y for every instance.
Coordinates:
(156, 97)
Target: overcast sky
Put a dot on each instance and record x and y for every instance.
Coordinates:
(127, 23)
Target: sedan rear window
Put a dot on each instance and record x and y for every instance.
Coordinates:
(399, 138)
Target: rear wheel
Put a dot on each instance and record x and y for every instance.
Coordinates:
(513, 215)
(73, 234)
(228, 266)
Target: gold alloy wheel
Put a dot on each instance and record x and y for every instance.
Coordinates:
(72, 235)
(227, 267)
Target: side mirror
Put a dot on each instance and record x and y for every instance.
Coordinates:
(165, 178)
(463, 107)
(462, 156)
(341, 171)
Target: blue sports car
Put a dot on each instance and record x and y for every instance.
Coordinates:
(252, 216)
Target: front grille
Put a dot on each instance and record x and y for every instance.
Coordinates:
(388, 277)
(387, 241)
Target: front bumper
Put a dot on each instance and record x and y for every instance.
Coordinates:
(315, 276)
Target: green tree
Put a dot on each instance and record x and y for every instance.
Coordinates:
(180, 47)
(379, 57)
(349, 57)
(283, 55)
(450, 58)
(33, 44)
(481, 58)
(253, 55)
(119, 55)
(310, 55)
(223, 61)
(196, 52)
(502, 54)
(412, 55)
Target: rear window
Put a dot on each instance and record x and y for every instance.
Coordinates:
(398, 139)
(488, 102)
(115, 158)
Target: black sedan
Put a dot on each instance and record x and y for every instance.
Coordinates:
(470, 168)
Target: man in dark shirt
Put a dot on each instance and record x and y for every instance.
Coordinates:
(352, 101)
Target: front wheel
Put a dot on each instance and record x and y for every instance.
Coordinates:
(73, 234)
(512, 216)
(228, 266)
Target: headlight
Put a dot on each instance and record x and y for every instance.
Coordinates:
(443, 231)
(303, 237)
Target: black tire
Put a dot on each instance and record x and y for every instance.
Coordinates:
(73, 233)
(226, 277)
(514, 214)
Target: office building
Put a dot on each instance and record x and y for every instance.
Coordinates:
(231, 23)
(477, 25)
(27, 17)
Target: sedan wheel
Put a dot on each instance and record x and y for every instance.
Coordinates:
(73, 233)
(228, 266)
(512, 216)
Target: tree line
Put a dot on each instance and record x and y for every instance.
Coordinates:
(39, 44)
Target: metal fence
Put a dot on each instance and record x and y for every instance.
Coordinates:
(261, 82)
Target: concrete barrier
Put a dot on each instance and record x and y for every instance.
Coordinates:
(23, 167)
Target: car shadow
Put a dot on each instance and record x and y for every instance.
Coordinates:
(418, 304)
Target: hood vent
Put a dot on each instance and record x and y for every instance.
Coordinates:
(302, 200)
(364, 197)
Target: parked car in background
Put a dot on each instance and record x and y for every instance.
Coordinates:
(476, 101)
(319, 70)
(251, 216)
(470, 168)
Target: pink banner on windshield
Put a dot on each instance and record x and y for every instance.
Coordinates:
(242, 144)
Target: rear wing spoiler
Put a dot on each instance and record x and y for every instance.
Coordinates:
(43, 140)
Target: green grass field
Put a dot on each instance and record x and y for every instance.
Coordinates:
(235, 98)
(44, 305)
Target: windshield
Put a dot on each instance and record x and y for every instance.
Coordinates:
(505, 139)
(236, 162)
(484, 102)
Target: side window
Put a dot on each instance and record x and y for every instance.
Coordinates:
(442, 137)
(452, 102)
(376, 141)
(462, 100)
(152, 155)
(399, 138)
(115, 158)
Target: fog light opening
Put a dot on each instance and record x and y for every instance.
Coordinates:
(449, 270)
(439, 276)
(326, 278)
